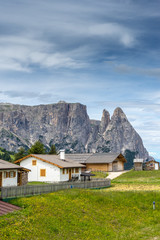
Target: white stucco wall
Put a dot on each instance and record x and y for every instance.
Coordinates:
(65, 177)
(12, 181)
(52, 172)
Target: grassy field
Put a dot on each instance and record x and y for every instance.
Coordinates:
(139, 177)
(100, 174)
(118, 212)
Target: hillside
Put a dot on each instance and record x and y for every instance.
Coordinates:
(84, 214)
(67, 125)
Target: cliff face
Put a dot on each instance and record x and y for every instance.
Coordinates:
(68, 126)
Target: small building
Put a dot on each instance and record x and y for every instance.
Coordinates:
(12, 174)
(151, 165)
(51, 168)
(138, 164)
(106, 162)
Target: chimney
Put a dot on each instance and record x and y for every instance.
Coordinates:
(62, 154)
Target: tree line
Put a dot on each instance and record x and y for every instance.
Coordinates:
(37, 148)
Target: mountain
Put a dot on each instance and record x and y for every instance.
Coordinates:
(67, 125)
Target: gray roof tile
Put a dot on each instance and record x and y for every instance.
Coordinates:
(7, 165)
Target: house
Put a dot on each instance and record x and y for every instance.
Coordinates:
(50, 168)
(12, 174)
(106, 162)
(151, 165)
(138, 164)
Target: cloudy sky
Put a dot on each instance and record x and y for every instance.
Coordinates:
(104, 54)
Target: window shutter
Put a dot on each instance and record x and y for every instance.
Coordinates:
(77, 170)
(34, 162)
(42, 172)
(14, 174)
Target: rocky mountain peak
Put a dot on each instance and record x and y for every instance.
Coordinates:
(118, 112)
(104, 121)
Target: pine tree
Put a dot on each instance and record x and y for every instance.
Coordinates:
(53, 150)
(20, 154)
(37, 148)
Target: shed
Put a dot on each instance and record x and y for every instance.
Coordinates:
(151, 165)
(138, 164)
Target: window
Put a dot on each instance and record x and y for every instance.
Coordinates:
(77, 170)
(6, 174)
(10, 174)
(63, 171)
(34, 162)
(42, 172)
(72, 170)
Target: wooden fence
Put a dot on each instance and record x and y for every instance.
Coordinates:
(29, 190)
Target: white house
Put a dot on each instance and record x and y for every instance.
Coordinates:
(12, 174)
(50, 168)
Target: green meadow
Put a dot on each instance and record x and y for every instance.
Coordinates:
(111, 213)
(140, 177)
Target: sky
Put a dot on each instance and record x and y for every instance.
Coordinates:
(104, 54)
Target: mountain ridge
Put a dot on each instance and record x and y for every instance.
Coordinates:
(67, 125)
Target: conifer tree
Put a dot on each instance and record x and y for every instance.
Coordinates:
(53, 150)
(37, 148)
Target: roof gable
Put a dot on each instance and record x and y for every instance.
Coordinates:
(53, 159)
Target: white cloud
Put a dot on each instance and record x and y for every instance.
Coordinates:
(114, 32)
(20, 53)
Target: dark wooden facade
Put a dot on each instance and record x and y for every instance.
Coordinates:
(151, 165)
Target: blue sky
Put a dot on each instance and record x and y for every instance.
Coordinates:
(104, 54)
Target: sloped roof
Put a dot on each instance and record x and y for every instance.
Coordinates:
(138, 160)
(79, 157)
(96, 157)
(54, 160)
(7, 165)
(152, 160)
(105, 158)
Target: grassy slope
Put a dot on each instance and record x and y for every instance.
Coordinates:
(88, 214)
(100, 175)
(139, 177)
(84, 214)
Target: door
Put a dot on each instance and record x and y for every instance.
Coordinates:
(19, 179)
(115, 167)
(70, 174)
(0, 179)
(156, 166)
